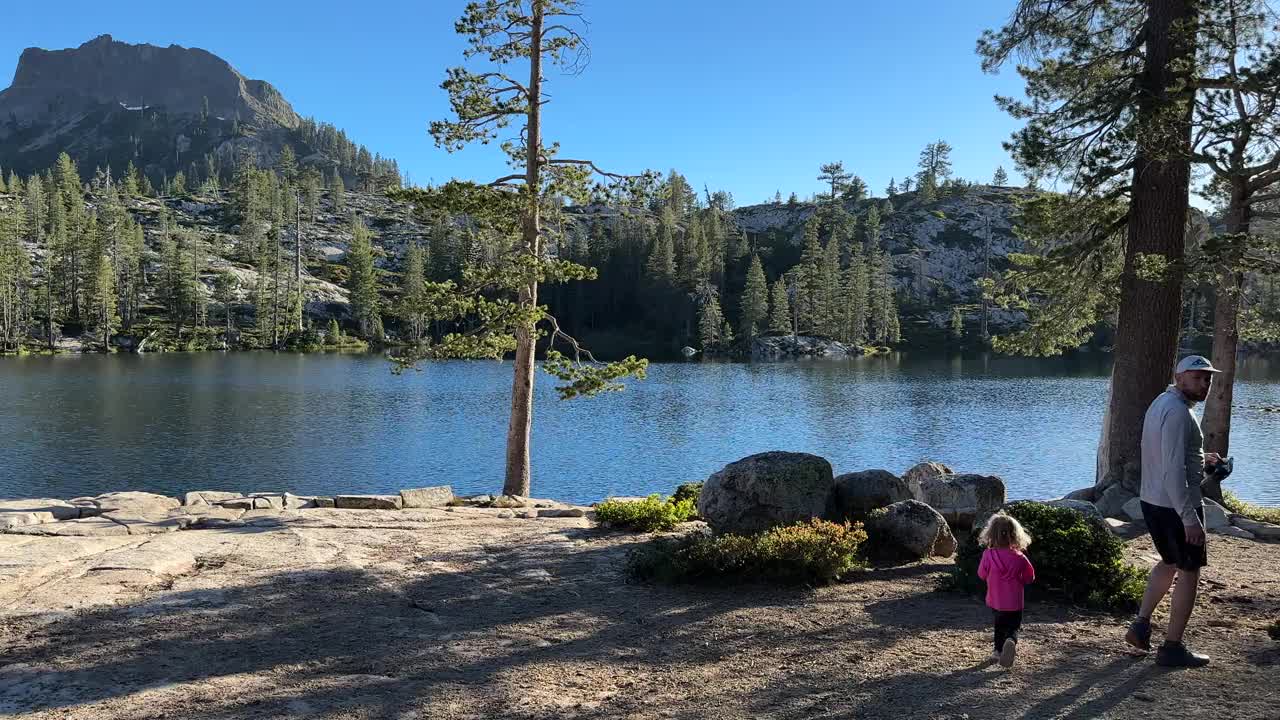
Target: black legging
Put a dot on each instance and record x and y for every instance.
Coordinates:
(1007, 624)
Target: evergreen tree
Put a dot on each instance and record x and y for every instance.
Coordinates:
(15, 278)
(362, 281)
(854, 301)
(834, 174)
(102, 301)
(414, 306)
(178, 187)
(892, 189)
(1001, 178)
(755, 301)
(855, 190)
(3, 187)
(780, 309)
(957, 323)
(287, 164)
(662, 260)
(337, 193)
(935, 163)
(710, 323)
(828, 312)
(807, 308)
(132, 186)
(225, 288)
(871, 230)
(15, 185)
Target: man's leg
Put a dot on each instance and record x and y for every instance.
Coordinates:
(1184, 600)
(1157, 587)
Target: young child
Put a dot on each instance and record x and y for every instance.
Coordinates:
(1006, 570)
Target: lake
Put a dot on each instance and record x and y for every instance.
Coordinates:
(329, 423)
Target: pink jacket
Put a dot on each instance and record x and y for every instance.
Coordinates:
(1006, 572)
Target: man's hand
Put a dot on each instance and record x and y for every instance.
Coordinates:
(1211, 459)
(1195, 534)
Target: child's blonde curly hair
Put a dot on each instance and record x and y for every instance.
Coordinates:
(1003, 531)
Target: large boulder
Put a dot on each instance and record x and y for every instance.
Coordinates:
(861, 492)
(427, 497)
(1088, 509)
(1216, 517)
(1112, 501)
(1266, 531)
(909, 530)
(766, 490)
(921, 472)
(136, 504)
(964, 500)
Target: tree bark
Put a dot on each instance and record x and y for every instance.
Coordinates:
(521, 423)
(1226, 330)
(1150, 309)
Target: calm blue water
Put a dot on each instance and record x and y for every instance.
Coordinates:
(321, 424)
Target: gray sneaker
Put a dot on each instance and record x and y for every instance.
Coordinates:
(1139, 634)
(1173, 654)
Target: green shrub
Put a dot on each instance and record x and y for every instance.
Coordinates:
(806, 553)
(688, 491)
(1075, 560)
(653, 514)
(1237, 506)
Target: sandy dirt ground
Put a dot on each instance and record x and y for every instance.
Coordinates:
(463, 614)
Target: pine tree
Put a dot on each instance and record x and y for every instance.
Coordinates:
(871, 229)
(362, 281)
(15, 184)
(935, 163)
(287, 165)
(957, 323)
(130, 181)
(3, 187)
(337, 193)
(853, 303)
(808, 309)
(178, 187)
(855, 190)
(102, 301)
(780, 309)
(892, 189)
(834, 174)
(710, 322)
(755, 301)
(413, 307)
(1001, 178)
(225, 287)
(15, 278)
(662, 260)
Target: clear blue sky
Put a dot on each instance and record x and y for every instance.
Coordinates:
(743, 95)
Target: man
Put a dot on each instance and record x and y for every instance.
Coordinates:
(1173, 463)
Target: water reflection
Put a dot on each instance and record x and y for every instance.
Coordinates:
(325, 423)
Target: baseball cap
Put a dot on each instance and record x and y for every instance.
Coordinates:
(1195, 362)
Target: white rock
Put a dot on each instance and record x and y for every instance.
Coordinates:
(58, 509)
(1266, 531)
(426, 497)
(1215, 516)
(1133, 509)
(1235, 532)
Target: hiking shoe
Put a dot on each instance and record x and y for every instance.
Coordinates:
(1139, 635)
(1173, 654)
(1008, 653)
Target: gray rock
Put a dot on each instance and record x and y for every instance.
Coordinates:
(478, 499)
(84, 527)
(238, 503)
(149, 524)
(527, 514)
(1133, 509)
(15, 519)
(1215, 516)
(323, 502)
(1266, 531)
(766, 490)
(1111, 503)
(562, 513)
(57, 509)
(135, 504)
(964, 500)
(427, 497)
(1085, 507)
(859, 493)
(207, 497)
(921, 471)
(1088, 494)
(1235, 532)
(509, 502)
(88, 506)
(1126, 530)
(910, 529)
(268, 502)
(298, 502)
(367, 502)
(506, 515)
(777, 347)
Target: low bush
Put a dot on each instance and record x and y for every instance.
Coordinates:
(653, 514)
(806, 553)
(1237, 506)
(1075, 560)
(688, 491)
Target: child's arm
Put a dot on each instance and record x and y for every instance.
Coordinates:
(983, 567)
(1028, 571)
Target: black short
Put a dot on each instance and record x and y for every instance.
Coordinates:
(1170, 538)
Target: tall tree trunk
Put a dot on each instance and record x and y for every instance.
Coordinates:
(275, 299)
(1151, 309)
(297, 265)
(521, 423)
(1226, 329)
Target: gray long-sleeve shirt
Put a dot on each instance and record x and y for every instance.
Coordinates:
(1172, 456)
